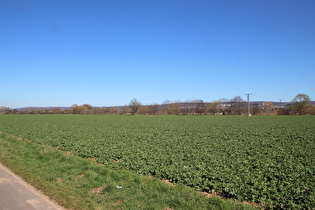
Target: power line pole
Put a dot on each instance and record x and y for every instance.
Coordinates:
(248, 103)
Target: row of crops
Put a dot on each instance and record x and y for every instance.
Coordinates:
(268, 159)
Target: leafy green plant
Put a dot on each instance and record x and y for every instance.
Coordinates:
(267, 159)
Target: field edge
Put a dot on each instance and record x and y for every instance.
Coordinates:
(72, 183)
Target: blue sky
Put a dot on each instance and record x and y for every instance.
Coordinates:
(107, 52)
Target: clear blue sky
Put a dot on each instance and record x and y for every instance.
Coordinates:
(106, 52)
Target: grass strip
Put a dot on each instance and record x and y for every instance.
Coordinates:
(78, 183)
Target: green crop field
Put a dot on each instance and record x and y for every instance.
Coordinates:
(267, 159)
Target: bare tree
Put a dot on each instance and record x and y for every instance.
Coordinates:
(268, 107)
(185, 108)
(255, 109)
(75, 109)
(174, 109)
(83, 109)
(200, 107)
(134, 106)
(154, 109)
(124, 110)
(301, 103)
(166, 106)
(143, 110)
(214, 107)
(5, 110)
(86, 109)
(224, 106)
(237, 105)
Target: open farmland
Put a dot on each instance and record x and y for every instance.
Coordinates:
(269, 159)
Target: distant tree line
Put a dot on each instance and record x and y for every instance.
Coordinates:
(300, 105)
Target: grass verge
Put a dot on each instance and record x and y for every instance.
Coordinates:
(77, 183)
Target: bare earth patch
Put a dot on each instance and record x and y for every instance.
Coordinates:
(97, 190)
(168, 182)
(118, 202)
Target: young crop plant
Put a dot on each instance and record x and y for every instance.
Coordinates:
(263, 159)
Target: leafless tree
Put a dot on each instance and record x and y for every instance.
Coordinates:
(154, 109)
(301, 103)
(134, 106)
(237, 105)
(174, 109)
(214, 107)
(268, 107)
(200, 107)
(166, 106)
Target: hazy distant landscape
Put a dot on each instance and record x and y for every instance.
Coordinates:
(301, 105)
